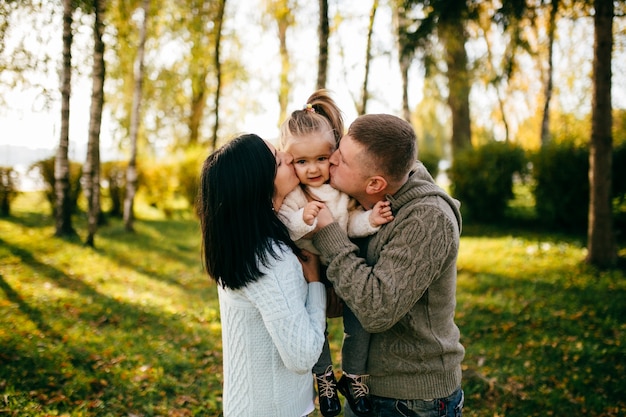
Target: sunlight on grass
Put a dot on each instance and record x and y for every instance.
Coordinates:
(132, 327)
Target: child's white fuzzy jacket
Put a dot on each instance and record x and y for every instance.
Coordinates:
(351, 217)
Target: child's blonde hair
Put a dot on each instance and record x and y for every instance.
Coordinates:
(320, 115)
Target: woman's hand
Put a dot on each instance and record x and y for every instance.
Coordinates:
(310, 266)
(334, 304)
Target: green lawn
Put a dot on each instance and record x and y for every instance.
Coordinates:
(132, 328)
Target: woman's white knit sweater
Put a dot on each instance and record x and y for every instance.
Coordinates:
(272, 335)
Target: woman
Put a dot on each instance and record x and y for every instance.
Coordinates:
(272, 305)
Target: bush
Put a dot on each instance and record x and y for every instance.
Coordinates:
(46, 171)
(560, 173)
(431, 162)
(189, 173)
(114, 175)
(8, 189)
(619, 189)
(482, 179)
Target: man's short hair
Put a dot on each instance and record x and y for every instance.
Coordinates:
(390, 143)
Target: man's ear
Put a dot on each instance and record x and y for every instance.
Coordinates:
(375, 185)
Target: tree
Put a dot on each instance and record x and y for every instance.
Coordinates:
(63, 212)
(362, 107)
(451, 30)
(322, 34)
(545, 121)
(444, 21)
(281, 12)
(218, 68)
(131, 170)
(406, 52)
(91, 170)
(601, 245)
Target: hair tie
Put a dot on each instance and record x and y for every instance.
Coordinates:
(308, 107)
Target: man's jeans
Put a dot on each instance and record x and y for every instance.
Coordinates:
(451, 406)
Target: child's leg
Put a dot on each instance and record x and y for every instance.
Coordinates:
(324, 360)
(356, 343)
(326, 383)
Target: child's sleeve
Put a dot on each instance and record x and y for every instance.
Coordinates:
(359, 222)
(291, 214)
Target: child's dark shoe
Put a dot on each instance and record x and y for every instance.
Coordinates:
(356, 391)
(327, 393)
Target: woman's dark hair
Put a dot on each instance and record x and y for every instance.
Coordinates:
(238, 224)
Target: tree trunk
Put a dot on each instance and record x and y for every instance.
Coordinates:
(545, 121)
(368, 58)
(405, 55)
(63, 206)
(131, 172)
(454, 38)
(323, 33)
(601, 244)
(92, 165)
(283, 21)
(218, 69)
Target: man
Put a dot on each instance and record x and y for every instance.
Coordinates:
(401, 282)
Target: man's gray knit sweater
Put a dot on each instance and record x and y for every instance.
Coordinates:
(401, 284)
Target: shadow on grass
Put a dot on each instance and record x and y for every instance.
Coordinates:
(163, 242)
(88, 350)
(534, 343)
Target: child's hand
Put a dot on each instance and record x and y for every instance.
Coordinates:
(311, 210)
(381, 214)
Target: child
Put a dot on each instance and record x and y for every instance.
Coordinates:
(311, 135)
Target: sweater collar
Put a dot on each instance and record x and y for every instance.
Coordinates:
(419, 185)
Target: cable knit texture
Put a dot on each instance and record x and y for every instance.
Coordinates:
(401, 285)
(272, 335)
(350, 216)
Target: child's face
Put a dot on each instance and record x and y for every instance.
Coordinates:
(310, 159)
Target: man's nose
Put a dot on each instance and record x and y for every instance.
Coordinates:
(333, 158)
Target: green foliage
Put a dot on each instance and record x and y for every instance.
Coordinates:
(114, 176)
(189, 173)
(482, 179)
(619, 171)
(159, 183)
(431, 162)
(560, 173)
(133, 328)
(130, 329)
(542, 330)
(45, 168)
(8, 189)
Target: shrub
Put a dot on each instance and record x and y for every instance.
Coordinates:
(189, 173)
(431, 162)
(114, 176)
(45, 167)
(561, 186)
(8, 189)
(482, 179)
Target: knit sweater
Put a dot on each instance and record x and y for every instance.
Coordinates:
(401, 284)
(345, 210)
(272, 335)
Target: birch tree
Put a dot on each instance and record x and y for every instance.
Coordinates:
(63, 206)
(91, 170)
(131, 170)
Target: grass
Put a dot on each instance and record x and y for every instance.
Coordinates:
(131, 328)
